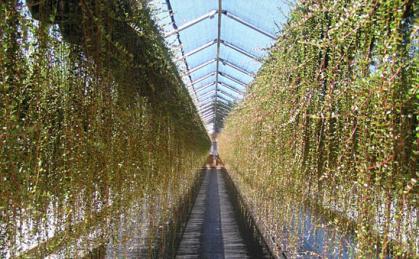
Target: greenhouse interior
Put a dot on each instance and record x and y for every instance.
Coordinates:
(209, 129)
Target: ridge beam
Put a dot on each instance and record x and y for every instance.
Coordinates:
(220, 10)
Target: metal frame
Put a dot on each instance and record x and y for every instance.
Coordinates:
(232, 88)
(209, 108)
(205, 95)
(228, 106)
(223, 99)
(227, 94)
(208, 98)
(200, 48)
(236, 80)
(203, 107)
(240, 50)
(206, 109)
(220, 9)
(202, 104)
(248, 24)
(190, 71)
(211, 89)
(236, 67)
(215, 103)
(219, 93)
(210, 14)
(202, 78)
(203, 87)
(209, 114)
(223, 109)
(172, 18)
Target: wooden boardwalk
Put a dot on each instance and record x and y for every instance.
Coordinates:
(212, 230)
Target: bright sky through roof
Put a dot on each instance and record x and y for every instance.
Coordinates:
(242, 48)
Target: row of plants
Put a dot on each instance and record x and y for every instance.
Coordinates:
(327, 158)
(95, 126)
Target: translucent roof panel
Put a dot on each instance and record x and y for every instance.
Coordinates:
(219, 46)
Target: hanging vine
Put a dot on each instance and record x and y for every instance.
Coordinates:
(96, 128)
(331, 131)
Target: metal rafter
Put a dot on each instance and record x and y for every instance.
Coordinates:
(207, 111)
(224, 102)
(202, 47)
(212, 114)
(224, 110)
(203, 104)
(227, 94)
(209, 114)
(236, 67)
(232, 88)
(236, 80)
(202, 78)
(220, 94)
(224, 62)
(219, 103)
(203, 87)
(203, 93)
(200, 66)
(221, 98)
(208, 98)
(203, 107)
(200, 88)
(206, 94)
(240, 50)
(191, 23)
(227, 106)
(248, 24)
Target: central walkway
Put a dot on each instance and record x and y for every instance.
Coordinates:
(212, 230)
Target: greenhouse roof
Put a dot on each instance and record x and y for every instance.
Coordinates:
(218, 47)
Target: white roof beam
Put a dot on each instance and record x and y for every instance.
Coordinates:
(190, 71)
(202, 87)
(232, 88)
(210, 14)
(248, 24)
(206, 45)
(236, 80)
(236, 67)
(240, 50)
(203, 78)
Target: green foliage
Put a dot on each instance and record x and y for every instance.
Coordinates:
(330, 126)
(95, 123)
